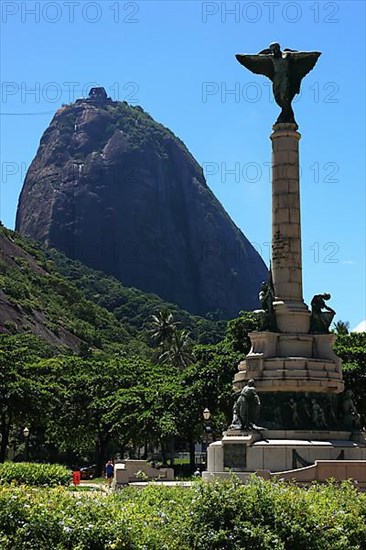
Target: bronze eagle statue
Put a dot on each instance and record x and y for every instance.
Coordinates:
(286, 70)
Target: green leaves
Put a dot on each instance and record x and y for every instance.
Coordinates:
(351, 348)
(24, 473)
(274, 515)
(261, 515)
(179, 352)
(238, 331)
(22, 391)
(163, 328)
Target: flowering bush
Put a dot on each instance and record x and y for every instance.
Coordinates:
(34, 518)
(55, 518)
(26, 473)
(261, 515)
(277, 515)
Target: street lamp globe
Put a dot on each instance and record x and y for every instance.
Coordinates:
(206, 414)
(26, 432)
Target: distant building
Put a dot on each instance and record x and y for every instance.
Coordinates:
(97, 96)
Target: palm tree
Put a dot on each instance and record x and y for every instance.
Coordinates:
(179, 353)
(341, 327)
(163, 328)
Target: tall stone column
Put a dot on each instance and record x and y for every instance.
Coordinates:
(295, 368)
(292, 314)
(290, 359)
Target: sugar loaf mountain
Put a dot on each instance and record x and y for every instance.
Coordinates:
(111, 187)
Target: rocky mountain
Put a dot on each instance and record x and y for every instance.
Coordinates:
(114, 189)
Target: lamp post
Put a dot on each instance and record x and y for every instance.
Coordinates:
(207, 428)
(26, 437)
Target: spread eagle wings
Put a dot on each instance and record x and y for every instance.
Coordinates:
(301, 64)
(260, 63)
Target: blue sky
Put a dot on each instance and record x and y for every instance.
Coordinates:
(177, 60)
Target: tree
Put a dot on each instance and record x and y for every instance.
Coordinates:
(237, 335)
(24, 392)
(341, 327)
(206, 383)
(179, 353)
(85, 418)
(163, 328)
(351, 348)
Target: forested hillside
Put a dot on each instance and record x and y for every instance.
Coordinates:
(66, 303)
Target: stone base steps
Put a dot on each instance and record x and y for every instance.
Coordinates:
(299, 364)
(304, 374)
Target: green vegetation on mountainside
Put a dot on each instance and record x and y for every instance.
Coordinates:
(46, 303)
(130, 305)
(64, 295)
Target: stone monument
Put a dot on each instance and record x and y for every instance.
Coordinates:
(306, 416)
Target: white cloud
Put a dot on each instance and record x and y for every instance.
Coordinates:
(361, 327)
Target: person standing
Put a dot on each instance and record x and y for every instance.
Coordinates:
(109, 472)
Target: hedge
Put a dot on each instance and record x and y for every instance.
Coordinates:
(261, 515)
(27, 473)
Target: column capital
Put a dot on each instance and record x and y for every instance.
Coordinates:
(285, 129)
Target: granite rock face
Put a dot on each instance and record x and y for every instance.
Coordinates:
(114, 189)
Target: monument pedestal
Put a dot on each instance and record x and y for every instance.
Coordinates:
(291, 362)
(289, 454)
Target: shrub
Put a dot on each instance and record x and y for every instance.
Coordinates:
(56, 519)
(261, 515)
(26, 473)
(277, 515)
